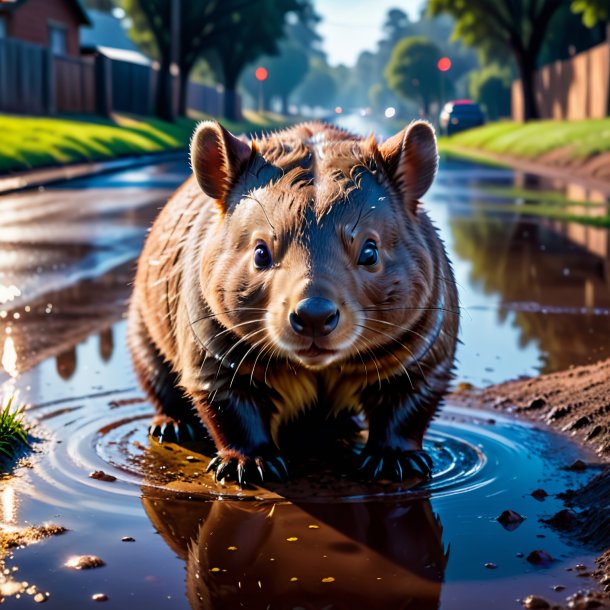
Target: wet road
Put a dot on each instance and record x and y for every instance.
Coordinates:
(536, 297)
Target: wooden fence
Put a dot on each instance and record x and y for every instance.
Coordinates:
(34, 81)
(24, 86)
(576, 88)
(74, 85)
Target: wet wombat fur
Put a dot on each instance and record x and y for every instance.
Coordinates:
(296, 273)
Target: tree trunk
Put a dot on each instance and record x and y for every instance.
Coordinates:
(527, 73)
(164, 107)
(230, 110)
(183, 92)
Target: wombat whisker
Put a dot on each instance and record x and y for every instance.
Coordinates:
(391, 353)
(374, 359)
(451, 311)
(219, 313)
(271, 356)
(228, 330)
(265, 347)
(242, 340)
(403, 328)
(253, 346)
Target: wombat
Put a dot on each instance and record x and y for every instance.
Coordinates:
(297, 272)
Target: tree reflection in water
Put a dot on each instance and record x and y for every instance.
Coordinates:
(556, 291)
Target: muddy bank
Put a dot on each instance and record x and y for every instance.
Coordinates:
(593, 173)
(576, 403)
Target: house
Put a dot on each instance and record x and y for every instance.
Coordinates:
(49, 23)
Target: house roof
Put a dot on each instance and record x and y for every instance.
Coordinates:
(79, 9)
(105, 31)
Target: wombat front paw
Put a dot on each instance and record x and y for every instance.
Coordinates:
(248, 470)
(395, 464)
(167, 430)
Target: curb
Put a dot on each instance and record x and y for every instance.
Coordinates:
(53, 175)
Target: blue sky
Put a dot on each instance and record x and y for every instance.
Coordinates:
(352, 26)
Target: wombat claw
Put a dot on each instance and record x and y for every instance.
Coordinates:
(173, 432)
(246, 471)
(395, 464)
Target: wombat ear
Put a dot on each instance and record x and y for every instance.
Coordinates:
(217, 159)
(411, 159)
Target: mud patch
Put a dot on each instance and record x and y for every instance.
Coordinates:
(576, 403)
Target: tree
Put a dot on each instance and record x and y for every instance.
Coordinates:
(497, 26)
(319, 87)
(491, 87)
(593, 11)
(202, 26)
(257, 31)
(412, 71)
(286, 72)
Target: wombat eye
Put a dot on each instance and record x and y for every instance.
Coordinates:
(369, 254)
(262, 256)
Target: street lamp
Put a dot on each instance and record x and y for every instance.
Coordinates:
(261, 75)
(444, 65)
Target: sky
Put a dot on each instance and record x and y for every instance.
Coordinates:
(352, 26)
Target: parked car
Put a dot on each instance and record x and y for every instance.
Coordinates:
(459, 115)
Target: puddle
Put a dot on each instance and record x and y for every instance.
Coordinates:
(536, 297)
(380, 544)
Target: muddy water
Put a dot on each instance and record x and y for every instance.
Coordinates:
(323, 541)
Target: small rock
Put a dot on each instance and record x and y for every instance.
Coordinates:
(540, 558)
(191, 458)
(491, 566)
(99, 597)
(510, 519)
(539, 494)
(100, 475)
(580, 567)
(558, 588)
(534, 601)
(564, 520)
(40, 598)
(127, 539)
(519, 555)
(85, 562)
(578, 466)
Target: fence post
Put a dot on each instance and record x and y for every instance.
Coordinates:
(103, 86)
(49, 75)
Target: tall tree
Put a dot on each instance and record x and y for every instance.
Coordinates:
(286, 72)
(593, 11)
(497, 26)
(257, 31)
(202, 26)
(288, 69)
(412, 71)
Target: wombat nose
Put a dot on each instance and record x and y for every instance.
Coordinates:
(314, 317)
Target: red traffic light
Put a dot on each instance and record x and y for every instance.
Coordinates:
(261, 73)
(444, 64)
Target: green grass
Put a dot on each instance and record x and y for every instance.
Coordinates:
(12, 430)
(578, 139)
(553, 198)
(546, 204)
(33, 142)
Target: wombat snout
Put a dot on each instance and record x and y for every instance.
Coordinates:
(314, 317)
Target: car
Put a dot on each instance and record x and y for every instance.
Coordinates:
(459, 115)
